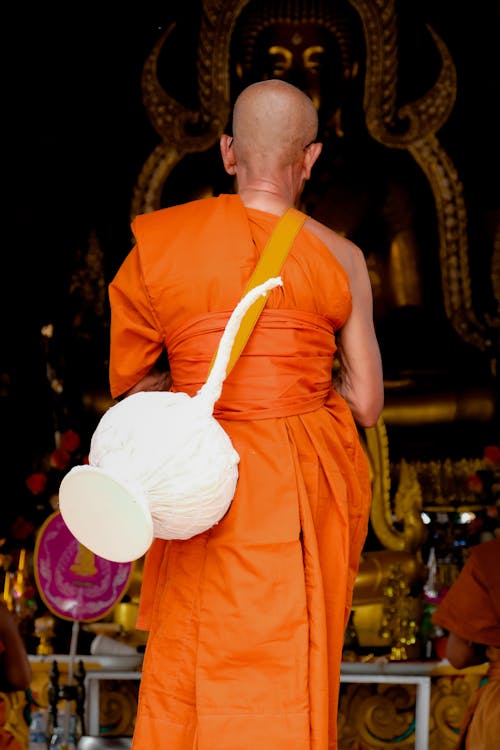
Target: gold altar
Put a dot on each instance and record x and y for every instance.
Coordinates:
(372, 714)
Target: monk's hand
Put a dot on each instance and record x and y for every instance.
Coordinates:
(154, 380)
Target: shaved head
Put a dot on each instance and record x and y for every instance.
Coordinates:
(273, 121)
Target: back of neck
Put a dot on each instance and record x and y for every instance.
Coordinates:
(265, 200)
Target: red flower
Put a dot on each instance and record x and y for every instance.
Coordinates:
(474, 483)
(36, 482)
(59, 459)
(69, 441)
(492, 454)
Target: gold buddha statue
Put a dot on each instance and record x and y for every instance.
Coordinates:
(370, 189)
(354, 188)
(383, 180)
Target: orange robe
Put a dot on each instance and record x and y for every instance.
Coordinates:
(247, 620)
(471, 610)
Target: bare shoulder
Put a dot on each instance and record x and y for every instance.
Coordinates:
(346, 252)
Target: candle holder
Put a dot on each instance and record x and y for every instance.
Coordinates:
(44, 631)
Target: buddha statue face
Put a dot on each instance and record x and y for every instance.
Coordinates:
(307, 46)
(304, 55)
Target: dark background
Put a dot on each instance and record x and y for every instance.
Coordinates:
(77, 137)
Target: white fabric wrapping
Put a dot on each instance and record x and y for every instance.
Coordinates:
(169, 454)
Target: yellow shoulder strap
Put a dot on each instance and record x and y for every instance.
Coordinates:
(269, 266)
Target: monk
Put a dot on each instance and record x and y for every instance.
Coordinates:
(246, 620)
(15, 670)
(15, 675)
(470, 611)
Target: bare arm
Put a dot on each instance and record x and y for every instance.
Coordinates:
(157, 379)
(360, 379)
(461, 653)
(15, 669)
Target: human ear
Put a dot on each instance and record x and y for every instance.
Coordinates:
(227, 153)
(310, 156)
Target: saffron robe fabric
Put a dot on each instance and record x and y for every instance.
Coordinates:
(471, 610)
(247, 620)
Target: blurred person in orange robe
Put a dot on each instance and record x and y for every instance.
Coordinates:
(15, 671)
(246, 620)
(470, 611)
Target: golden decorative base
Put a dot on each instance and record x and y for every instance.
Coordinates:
(374, 716)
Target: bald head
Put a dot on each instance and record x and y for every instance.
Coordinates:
(272, 123)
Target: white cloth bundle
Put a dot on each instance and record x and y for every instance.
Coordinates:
(159, 465)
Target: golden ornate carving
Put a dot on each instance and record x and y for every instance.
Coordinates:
(444, 483)
(449, 700)
(373, 572)
(372, 716)
(118, 707)
(402, 546)
(399, 615)
(423, 119)
(368, 599)
(182, 130)
(407, 501)
(14, 722)
(453, 245)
